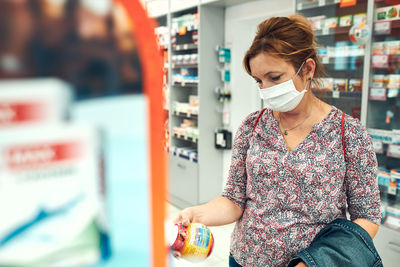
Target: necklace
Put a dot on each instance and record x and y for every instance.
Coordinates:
(285, 131)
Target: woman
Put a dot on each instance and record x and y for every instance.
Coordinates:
(291, 173)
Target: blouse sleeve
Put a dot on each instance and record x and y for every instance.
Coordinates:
(235, 187)
(361, 180)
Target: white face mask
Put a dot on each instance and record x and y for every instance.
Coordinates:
(282, 97)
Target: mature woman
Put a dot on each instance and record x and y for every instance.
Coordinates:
(295, 165)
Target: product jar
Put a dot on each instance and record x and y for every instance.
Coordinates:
(194, 242)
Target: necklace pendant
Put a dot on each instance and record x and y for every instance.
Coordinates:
(285, 132)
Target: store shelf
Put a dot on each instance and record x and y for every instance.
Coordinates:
(185, 115)
(186, 138)
(332, 31)
(341, 60)
(176, 66)
(186, 84)
(184, 47)
(315, 4)
(185, 153)
(342, 95)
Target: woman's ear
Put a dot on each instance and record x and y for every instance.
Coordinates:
(309, 68)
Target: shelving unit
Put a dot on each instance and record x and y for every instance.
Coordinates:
(378, 103)
(383, 124)
(342, 59)
(195, 171)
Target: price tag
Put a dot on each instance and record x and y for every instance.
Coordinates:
(391, 190)
(299, 6)
(391, 210)
(325, 60)
(335, 94)
(321, 3)
(394, 151)
(185, 46)
(382, 27)
(380, 61)
(336, 1)
(377, 94)
(325, 31)
(378, 146)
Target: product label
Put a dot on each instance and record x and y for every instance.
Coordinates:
(378, 146)
(335, 94)
(198, 243)
(35, 156)
(21, 112)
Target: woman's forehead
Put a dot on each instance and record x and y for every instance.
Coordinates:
(264, 63)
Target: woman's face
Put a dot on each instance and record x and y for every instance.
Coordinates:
(270, 70)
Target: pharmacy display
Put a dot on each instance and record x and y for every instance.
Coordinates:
(383, 120)
(342, 34)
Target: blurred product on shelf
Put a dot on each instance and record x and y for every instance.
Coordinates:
(322, 22)
(184, 23)
(355, 85)
(346, 21)
(331, 22)
(386, 48)
(359, 18)
(89, 46)
(188, 108)
(179, 78)
(188, 153)
(340, 85)
(387, 13)
(162, 34)
(33, 101)
(58, 168)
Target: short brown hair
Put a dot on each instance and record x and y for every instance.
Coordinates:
(290, 38)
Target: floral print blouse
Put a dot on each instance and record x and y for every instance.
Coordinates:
(287, 197)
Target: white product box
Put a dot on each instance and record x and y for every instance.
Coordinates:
(326, 84)
(378, 48)
(33, 101)
(359, 18)
(317, 22)
(51, 206)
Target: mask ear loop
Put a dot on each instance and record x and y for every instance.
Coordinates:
(299, 69)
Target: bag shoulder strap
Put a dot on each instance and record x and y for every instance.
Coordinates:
(343, 144)
(258, 118)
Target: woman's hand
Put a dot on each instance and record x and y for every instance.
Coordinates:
(301, 264)
(185, 217)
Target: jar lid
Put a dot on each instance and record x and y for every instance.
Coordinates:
(171, 233)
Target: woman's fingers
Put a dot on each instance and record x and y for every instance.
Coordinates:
(176, 254)
(185, 217)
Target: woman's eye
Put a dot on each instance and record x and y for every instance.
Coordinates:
(275, 78)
